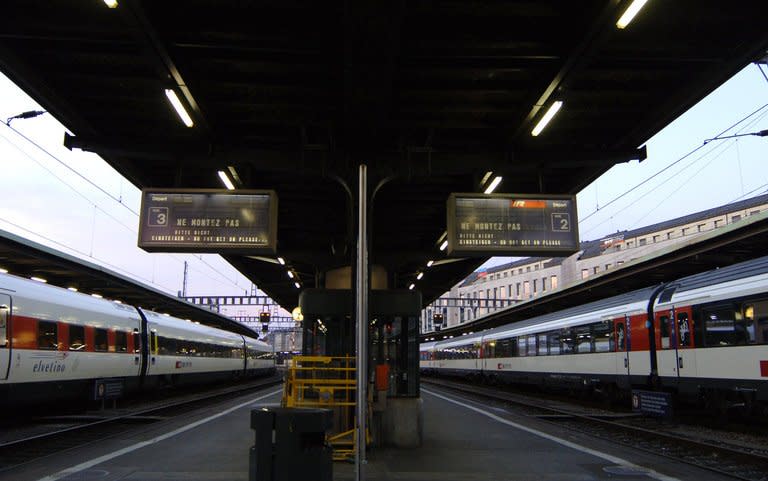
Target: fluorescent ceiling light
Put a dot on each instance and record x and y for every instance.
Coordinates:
(111, 3)
(494, 183)
(183, 115)
(429, 263)
(411, 286)
(547, 117)
(225, 178)
(281, 261)
(73, 289)
(298, 286)
(38, 279)
(444, 245)
(4, 271)
(290, 274)
(630, 13)
(419, 275)
(99, 296)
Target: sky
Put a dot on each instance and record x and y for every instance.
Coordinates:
(76, 203)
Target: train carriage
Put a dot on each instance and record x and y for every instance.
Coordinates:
(709, 342)
(56, 344)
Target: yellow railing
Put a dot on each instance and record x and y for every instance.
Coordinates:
(326, 382)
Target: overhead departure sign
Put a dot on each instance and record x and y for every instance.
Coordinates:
(208, 220)
(512, 225)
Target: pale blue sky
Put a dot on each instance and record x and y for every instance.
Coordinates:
(46, 202)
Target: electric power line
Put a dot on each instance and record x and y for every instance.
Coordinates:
(615, 199)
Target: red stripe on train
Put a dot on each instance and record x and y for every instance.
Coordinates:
(764, 368)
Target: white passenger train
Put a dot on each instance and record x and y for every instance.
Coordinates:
(708, 342)
(56, 344)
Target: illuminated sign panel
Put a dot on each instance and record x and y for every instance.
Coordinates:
(208, 220)
(512, 225)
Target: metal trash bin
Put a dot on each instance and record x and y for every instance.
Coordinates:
(290, 444)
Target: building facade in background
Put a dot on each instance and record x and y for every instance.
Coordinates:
(495, 288)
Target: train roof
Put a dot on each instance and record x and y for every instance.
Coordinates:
(720, 275)
(184, 328)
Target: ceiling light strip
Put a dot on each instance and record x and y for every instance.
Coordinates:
(553, 109)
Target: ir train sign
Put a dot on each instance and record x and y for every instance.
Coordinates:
(208, 220)
(512, 225)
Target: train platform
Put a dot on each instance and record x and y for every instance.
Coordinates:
(463, 440)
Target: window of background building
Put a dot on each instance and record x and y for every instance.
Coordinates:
(543, 284)
(535, 284)
(536, 267)
(754, 212)
(656, 238)
(618, 263)
(700, 227)
(553, 282)
(509, 291)
(596, 269)
(528, 269)
(518, 290)
(526, 289)
(685, 230)
(735, 218)
(607, 266)
(669, 234)
(642, 241)
(718, 223)
(584, 273)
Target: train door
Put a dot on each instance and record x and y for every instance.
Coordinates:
(5, 336)
(685, 352)
(666, 347)
(621, 343)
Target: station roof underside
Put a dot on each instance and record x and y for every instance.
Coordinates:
(430, 95)
(24, 258)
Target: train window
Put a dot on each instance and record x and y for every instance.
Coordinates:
(3, 323)
(100, 340)
(602, 334)
(542, 345)
(723, 326)
(76, 338)
(553, 342)
(136, 341)
(47, 335)
(531, 345)
(522, 347)
(583, 339)
(567, 341)
(664, 329)
(505, 347)
(121, 341)
(621, 337)
(683, 330)
(756, 317)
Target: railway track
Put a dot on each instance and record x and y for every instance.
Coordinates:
(748, 463)
(53, 435)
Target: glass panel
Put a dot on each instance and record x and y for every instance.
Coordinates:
(603, 336)
(100, 340)
(76, 338)
(721, 327)
(683, 330)
(621, 338)
(47, 335)
(664, 330)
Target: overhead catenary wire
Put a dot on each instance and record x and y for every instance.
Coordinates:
(685, 156)
(223, 277)
(723, 147)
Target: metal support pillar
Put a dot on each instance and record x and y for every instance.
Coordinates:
(362, 321)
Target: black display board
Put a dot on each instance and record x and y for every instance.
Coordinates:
(512, 225)
(208, 220)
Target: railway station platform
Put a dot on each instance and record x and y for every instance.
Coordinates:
(463, 440)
